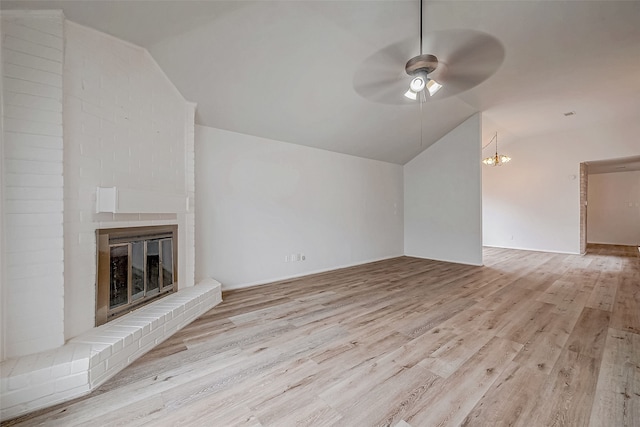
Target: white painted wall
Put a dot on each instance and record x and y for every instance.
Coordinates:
(613, 209)
(442, 194)
(260, 200)
(32, 167)
(126, 126)
(533, 202)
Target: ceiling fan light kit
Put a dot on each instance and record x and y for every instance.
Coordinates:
(418, 83)
(419, 68)
(411, 94)
(433, 87)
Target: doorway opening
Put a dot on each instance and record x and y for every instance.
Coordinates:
(610, 204)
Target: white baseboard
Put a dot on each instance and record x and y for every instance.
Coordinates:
(532, 250)
(306, 273)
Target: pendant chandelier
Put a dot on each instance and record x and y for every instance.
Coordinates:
(497, 159)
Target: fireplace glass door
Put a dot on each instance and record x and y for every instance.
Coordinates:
(141, 267)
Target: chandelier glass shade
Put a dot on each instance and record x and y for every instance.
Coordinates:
(496, 159)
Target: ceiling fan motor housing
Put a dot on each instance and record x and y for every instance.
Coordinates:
(422, 63)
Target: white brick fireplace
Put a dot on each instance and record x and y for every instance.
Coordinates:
(83, 110)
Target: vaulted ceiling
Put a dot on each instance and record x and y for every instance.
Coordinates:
(285, 70)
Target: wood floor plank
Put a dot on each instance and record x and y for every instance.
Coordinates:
(417, 349)
(423, 322)
(566, 399)
(136, 414)
(465, 387)
(233, 414)
(589, 334)
(560, 291)
(626, 310)
(499, 309)
(528, 321)
(510, 399)
(387, 402)
(548, 340)
(452, 354)
(603, 295)
(530, 339)
(617, 398)
(313, 412)
(257, 360)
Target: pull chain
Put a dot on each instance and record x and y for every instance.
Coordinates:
(420, 97)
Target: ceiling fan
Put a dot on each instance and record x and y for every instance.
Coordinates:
(456, 60)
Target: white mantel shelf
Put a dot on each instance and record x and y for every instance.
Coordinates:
(127, 200)
(44, 379)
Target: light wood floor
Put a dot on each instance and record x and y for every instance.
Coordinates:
(530, 339)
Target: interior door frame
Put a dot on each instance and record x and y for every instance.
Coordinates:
(584, 183)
